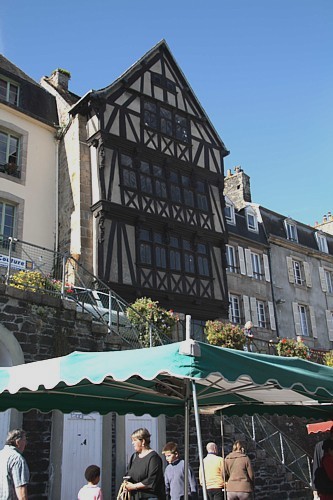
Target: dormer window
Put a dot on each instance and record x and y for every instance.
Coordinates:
(291, 230)
(321, 242)
(229, 212)
(251, 219)
(9, 91)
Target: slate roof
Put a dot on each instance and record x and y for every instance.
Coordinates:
(34, 100)
(240, 229)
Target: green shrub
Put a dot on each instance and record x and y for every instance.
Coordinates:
(225, 334)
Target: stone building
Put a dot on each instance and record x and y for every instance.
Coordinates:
(297, 264)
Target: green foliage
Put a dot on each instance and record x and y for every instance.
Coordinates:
(293, 348)
(145, 312)
(328, 359)
(225, 334)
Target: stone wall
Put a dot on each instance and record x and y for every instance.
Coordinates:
(45, 327)
(272, 480)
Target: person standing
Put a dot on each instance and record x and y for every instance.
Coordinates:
(91, 490)
(239, 473)
(214, 473)
(145, 470)
(317, 457)
(174, 475)
(14, 471)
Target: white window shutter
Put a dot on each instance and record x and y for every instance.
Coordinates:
(329, 320)
(297, 319)
(266, 267)
(248, 260)
(322, 279)
(313, 322)
(291, 276)
(271, 315)
(307, 273)
(241, 260)
(247, 311)
(254, 312)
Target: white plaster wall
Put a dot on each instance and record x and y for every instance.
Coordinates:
(38, 187)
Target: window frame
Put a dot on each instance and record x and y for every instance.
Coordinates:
(261, 314)
(304, 320)
(256, 266)
(291, 230)
(329, 280)
(321, 242)
(3, 236)
(10, 83)
(231, 251)
(251, 213)
(235, 312)
(161, 122)
(298, 272)
(9, 135)
(230, 218)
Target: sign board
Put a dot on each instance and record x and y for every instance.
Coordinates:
(16, 264)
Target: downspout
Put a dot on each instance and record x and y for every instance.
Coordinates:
(57, 194)
(272, 289)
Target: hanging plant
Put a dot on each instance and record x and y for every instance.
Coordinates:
(225, 334)
(293, 348)
(145, 312)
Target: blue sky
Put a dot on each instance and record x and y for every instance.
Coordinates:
(262, 69)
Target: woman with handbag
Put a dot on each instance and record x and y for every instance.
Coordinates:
(145, 469)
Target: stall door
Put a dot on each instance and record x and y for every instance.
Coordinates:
(4, 426)
(133, 423)
(82, 446)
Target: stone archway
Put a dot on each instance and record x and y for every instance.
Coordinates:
(11, 354)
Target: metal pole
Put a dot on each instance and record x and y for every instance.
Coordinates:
(10, 239)
(110, 312)
(186, 440)
(64, 259)
(223, 456)
(197, 425)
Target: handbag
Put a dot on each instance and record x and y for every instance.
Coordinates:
(123, 493)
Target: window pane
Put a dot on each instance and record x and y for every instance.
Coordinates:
(145, 235)
(3, 148)
(203, 267)
(3, 89)
(181, 128)
(146, 184)
(160, 189)
(129, 179)
(188, 198)
(13, 150)
(175, 261)
(126, 161)
(189, 263)
(145, 253)
(144, 167)
(174, 242)
(202, 202)
(158, 238)
(175, 194)
(13, 94)
(158, 171)
(160, 254)
(7, 218)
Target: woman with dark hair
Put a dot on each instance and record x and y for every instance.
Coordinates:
(239, 473)
(326, 492)
(145, 470)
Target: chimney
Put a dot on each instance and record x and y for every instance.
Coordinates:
(237, 187)
(60, 78)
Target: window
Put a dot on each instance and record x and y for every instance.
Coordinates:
(321, 242)
(9, 91)
(251, 219)
(7, 222)
(234, 308)
(261, 314)
(291, 230)
(178, 255)
(256, 266)
(304, 320)
(202, 201)
(298, 274)
(231, 259)
(9, 148)
(329, 280)
(166, 121)
(163, 82)
(229, 212)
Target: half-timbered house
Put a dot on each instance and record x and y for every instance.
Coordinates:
(156, 173)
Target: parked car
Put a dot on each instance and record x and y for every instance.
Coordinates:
(96, 303)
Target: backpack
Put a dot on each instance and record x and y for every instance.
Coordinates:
(322, 482)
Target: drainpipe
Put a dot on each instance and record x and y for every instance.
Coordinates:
(57, 195)
(272, 289)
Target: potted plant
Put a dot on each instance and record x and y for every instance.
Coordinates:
(147, 315)
(293, 348)
(225, 334)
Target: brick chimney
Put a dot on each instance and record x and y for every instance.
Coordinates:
(237, 187)
(326, 225)
(60, 78)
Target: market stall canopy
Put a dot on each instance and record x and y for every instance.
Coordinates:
(319, 427)
(158, 381)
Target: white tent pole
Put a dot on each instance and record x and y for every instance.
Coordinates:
(223, 456)
(197, 425)
(187, 442)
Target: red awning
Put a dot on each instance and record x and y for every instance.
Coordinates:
(320, 427)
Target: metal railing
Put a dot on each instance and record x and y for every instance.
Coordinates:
(58, 274)
(277, 445)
